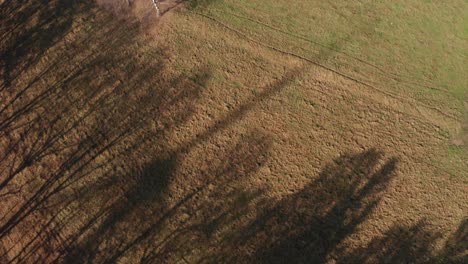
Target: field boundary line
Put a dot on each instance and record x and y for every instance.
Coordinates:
(346, 76)
(394, 76)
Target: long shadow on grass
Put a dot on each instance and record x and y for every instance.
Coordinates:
(29, 29)
(412, 244)
(86, 171)
(144, 224)
(152, 221)
(308, 226)
(312, 225)
(74, 122)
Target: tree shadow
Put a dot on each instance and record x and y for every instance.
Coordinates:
(143, 224)
(413, 244)
(314, 224)
(29, 29)
(71, 117)
(310, 225)
(87, 174)
(86, 170)
(114, 225)
(147, 223)
(455, 249)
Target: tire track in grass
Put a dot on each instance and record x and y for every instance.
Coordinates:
(346, 76)
(383, 72)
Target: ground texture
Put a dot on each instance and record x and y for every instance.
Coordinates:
(233, 132)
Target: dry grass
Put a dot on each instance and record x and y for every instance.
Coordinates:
(193, 140)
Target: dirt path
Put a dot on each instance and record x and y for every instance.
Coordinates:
(168, 5)
(140, 8)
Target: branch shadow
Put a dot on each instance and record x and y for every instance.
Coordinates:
(29, 29)
(69, 121)
(86, 173)
(146, 223)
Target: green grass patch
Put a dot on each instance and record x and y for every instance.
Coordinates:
(421, 43)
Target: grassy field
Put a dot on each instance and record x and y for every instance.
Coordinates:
(234, 132)
(412, 52)
(412, 44)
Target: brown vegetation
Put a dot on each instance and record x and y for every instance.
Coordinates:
(96, 165)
